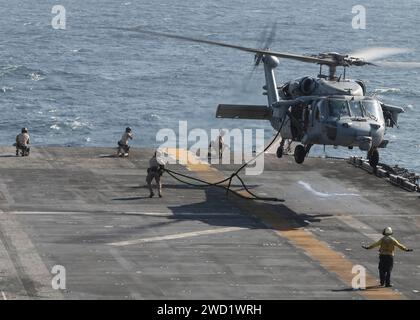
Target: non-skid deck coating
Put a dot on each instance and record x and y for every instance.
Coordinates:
(89, 212)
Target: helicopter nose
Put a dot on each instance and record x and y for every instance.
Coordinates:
(368, 135)
(357, 134)
(356, 129)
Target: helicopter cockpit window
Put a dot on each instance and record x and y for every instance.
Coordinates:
(356, 109)
(372, 109)
(338, 108)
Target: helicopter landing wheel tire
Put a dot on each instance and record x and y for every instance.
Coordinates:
(374, 158)
(279, 152)
(300, 154)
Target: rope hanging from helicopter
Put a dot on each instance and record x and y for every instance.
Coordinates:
(229, 179)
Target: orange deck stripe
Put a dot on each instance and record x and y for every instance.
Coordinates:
(318, 250)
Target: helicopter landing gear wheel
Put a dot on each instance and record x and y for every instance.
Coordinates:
(300, 153)
(279, 152)
(373, 156)
(280, 149)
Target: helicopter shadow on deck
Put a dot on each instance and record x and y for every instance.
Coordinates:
(169, 187)
(146, 191)
(217, 210)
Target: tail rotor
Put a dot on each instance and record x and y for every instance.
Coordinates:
(266, 40)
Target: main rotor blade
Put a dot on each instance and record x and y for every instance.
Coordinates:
(375, 53)
(398, 64)
(265, 40)
(292, 56)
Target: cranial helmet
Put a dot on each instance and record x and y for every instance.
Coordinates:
(387, 231)
(24, 130)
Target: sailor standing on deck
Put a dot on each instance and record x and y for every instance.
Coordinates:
(218, 145)
(123, 146)
(155, 171)
(386, 255)
(22, 141)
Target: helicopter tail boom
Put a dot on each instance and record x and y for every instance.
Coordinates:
(237, 111)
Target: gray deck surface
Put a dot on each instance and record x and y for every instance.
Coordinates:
(75, 207)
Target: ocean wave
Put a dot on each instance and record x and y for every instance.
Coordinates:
(6, 88)
(80, 50)
(151, 117)
(63, 73)
(21, 71)
(387, 90)
(69, 124)
(36, 77)
(76, 124)
(55, 127)
(391, 136)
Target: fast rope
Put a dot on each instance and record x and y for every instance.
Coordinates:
(228, 189)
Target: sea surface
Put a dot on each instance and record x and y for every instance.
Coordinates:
(83, 85)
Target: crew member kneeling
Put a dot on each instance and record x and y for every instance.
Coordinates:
(123, 147)
(22, 142)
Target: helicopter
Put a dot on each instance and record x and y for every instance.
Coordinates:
(323, 110)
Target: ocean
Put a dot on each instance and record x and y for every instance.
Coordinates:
(82, 85)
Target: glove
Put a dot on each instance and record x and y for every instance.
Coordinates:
(409, 250)
(365, 247)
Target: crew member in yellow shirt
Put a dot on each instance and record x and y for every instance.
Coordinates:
(386, 246)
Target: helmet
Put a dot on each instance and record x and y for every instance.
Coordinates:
(128, 129)
(24, 130)
(387, 231)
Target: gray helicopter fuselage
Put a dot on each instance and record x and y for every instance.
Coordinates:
(327, 111)
(323, 111)
(335, 120)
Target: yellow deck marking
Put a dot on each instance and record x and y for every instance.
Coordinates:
(331, 260)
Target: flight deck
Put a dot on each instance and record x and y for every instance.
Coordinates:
(88, 211)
